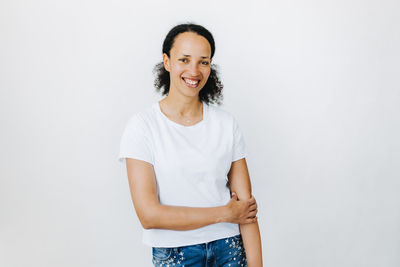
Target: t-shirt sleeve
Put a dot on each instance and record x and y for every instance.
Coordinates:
(239, 146)
(135, 141)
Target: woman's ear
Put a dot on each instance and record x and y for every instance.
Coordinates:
(166, 62)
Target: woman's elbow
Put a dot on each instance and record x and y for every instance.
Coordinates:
(146, 223)
(148, 219)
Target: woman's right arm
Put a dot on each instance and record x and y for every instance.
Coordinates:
(153, 215)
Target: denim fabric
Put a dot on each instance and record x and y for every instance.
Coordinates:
(225, 252)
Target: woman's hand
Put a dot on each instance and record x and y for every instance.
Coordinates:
(241, 211)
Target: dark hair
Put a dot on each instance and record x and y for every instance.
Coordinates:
(212, 90)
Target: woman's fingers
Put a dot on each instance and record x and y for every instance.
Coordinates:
(251, 200)
(251, 220)
(245, 211)
(252, 203)
(253, 206)
(253, 213)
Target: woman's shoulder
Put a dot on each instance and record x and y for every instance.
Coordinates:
(221, 113)
(142, 117)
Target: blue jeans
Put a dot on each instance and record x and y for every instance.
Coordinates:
(225, 252)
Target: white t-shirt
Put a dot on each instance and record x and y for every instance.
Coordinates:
(191, 165)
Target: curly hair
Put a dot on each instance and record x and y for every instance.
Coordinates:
(212, 90)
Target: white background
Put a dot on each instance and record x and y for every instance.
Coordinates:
(315, 88)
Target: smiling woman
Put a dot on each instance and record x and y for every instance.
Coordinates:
(212, 87)
(189, 61)
(186, 164)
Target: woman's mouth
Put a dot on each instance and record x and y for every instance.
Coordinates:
(192, 83)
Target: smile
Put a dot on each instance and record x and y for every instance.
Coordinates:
(191, 83)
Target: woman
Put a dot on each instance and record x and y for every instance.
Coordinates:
(183, 158)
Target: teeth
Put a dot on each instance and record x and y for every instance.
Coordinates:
(191, 82)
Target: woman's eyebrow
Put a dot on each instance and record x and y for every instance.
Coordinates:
(189, 56)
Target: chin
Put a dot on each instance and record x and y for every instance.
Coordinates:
(190, 93)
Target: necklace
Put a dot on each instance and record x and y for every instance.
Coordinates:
(188, 120)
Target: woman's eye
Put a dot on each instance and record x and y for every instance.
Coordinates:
(205, 63)
(183, 59)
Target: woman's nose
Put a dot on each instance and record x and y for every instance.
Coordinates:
(194, 69)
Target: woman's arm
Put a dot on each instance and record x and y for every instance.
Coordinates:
(239, 180)
(152, 214)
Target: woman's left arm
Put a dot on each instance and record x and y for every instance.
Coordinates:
(239, 181)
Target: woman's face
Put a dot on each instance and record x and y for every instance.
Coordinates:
(188, 64)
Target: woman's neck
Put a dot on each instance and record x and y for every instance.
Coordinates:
(184, 108)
